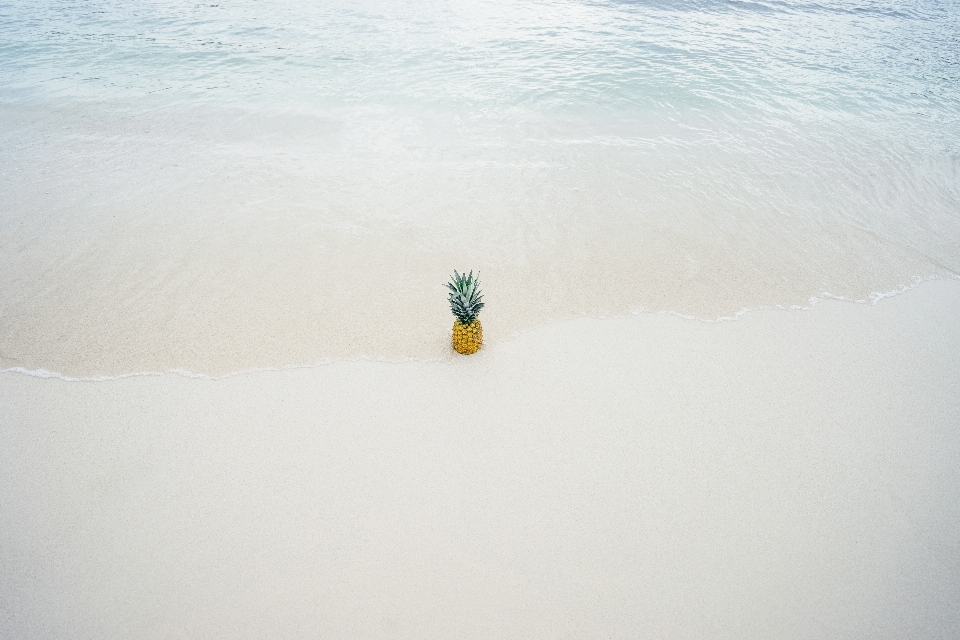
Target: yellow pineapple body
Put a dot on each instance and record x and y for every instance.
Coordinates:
(467, 338)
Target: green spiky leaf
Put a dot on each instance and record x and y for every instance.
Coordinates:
(465, 297)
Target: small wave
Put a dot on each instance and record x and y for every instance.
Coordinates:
(44, 373)
(871, 300)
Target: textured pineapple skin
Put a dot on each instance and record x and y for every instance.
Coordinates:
(467, 338)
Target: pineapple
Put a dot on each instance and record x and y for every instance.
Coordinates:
(466, 302)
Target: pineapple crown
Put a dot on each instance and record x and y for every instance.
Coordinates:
(465, 297)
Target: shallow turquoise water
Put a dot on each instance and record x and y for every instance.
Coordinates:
(239, 184)
(800, 62)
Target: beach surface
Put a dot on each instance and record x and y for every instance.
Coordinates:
(789, 474)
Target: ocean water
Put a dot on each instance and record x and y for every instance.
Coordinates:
(230, 185)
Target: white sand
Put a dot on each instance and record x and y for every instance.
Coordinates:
(787, 475)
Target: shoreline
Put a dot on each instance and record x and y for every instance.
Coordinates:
(873, 299)
(787, 475)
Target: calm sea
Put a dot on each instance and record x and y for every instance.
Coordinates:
(242, 184)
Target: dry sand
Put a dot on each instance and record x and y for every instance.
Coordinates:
(791, 474)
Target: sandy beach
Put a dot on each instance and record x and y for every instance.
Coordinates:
(790, 474)
(719, 391)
